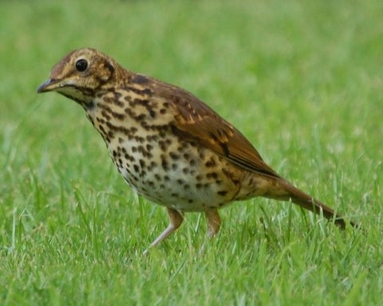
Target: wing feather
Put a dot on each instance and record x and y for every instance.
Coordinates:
(198, 122)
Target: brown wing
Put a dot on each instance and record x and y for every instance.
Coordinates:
(198, 122)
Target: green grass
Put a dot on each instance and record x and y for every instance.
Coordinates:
(301, 79)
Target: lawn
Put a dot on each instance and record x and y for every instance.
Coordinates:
(301, 79)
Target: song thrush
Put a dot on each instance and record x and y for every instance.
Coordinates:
(169, 146)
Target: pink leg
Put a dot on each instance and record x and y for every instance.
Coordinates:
(176, 220)
(213, 222)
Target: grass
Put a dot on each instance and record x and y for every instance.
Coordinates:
(302, 79)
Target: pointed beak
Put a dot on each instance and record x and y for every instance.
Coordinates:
(48, 85)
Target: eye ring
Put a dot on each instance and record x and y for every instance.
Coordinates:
(81, 65)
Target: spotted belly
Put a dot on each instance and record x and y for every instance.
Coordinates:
(176, 174)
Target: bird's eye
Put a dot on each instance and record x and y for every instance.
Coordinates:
(81, 65)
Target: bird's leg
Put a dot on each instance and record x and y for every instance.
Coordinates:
(213, 222)
(176, 220)
(213, 225)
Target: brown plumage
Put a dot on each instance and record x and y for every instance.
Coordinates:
(168, 145)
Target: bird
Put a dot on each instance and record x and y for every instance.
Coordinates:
(168, 145)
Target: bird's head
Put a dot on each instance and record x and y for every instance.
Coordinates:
(80, 74)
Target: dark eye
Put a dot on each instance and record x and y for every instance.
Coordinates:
(81, 65)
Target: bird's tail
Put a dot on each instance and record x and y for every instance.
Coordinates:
(306, 201)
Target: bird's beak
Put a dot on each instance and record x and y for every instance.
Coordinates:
(49, 85)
